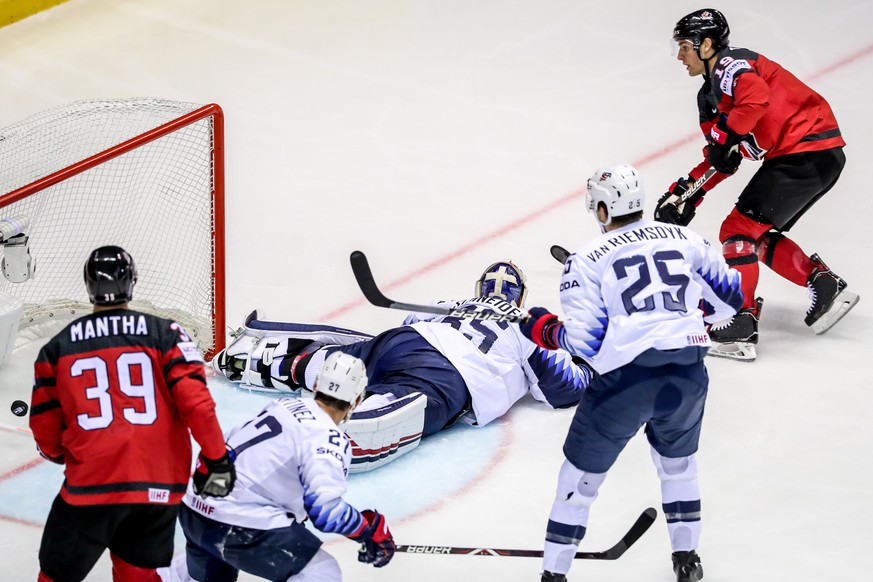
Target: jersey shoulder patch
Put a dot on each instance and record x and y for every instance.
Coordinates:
(730, 66)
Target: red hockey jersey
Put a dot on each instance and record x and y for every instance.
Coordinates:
(115, 394)
(781, 114)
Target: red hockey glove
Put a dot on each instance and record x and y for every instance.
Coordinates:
(672, 209)
(542, 328)
(377, 543)
(723, 151)
(215, 478)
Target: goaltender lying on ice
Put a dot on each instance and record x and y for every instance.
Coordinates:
(424, 375)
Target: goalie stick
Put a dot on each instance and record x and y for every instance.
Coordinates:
(364, 276)
(640, 526)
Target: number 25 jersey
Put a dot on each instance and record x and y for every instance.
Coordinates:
(642, 286)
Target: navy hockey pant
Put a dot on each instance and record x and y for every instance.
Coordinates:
(402, 362)
(217, 551)
(664, 391)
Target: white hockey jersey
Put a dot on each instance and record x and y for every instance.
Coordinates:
(291, 461)
(499, 364)
(640, 287)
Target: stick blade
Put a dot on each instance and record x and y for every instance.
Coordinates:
(640, 526)
(559, 253)
(364, 277)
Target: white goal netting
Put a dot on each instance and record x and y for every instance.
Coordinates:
(144, 174)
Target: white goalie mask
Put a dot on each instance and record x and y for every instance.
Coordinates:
(619, 188)
(344, 377)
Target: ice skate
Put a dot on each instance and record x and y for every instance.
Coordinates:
(831, 301)
(687, 566)
(736, 337)
(550, 577)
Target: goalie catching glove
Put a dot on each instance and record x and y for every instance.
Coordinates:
(672, 210)
(215, 478)
(377, 543)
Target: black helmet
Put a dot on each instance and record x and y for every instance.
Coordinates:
(110, 276)
(700, 24)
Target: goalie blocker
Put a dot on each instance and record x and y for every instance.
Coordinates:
(381, 429)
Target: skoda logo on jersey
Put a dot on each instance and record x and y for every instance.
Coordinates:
(569, 285)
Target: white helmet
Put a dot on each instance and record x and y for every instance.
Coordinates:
(619, 187)
(342, 376)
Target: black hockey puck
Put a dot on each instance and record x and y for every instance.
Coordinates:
(19, 408)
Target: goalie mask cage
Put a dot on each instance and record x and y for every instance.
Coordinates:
(144, 174)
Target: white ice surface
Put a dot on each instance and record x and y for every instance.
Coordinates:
(438, 137)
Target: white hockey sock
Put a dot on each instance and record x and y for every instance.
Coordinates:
(680, 495)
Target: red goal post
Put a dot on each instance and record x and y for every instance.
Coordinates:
(144, 174)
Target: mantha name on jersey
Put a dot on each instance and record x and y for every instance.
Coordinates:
(115, 394)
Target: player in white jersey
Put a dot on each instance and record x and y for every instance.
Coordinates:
(635, 299)
(424, 375)
(292, 462)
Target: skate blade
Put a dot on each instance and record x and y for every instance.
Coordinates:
(740, 351)
(843, 303)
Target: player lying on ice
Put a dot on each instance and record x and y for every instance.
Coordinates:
(424, 376)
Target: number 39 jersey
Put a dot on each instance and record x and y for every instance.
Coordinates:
(291, 461)
(115, 394)
(642, 286)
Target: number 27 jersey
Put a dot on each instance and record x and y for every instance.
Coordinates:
(641, 286)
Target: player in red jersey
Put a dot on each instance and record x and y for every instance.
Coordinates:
(114, 397)
(751, 107)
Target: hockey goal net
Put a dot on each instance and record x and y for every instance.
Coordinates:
(144, 174)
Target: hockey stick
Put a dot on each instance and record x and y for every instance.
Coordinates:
(643, 522)
(691, 189)
(364, 276)
(695, 186)
(559, 253)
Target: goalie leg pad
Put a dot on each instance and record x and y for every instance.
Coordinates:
(262, 354)
(385, 429)
(326, 334)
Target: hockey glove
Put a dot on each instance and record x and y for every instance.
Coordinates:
(542, 328)
(723, 151)
(215, 478)
(672, 209)
(377, 543)
(59, 460)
